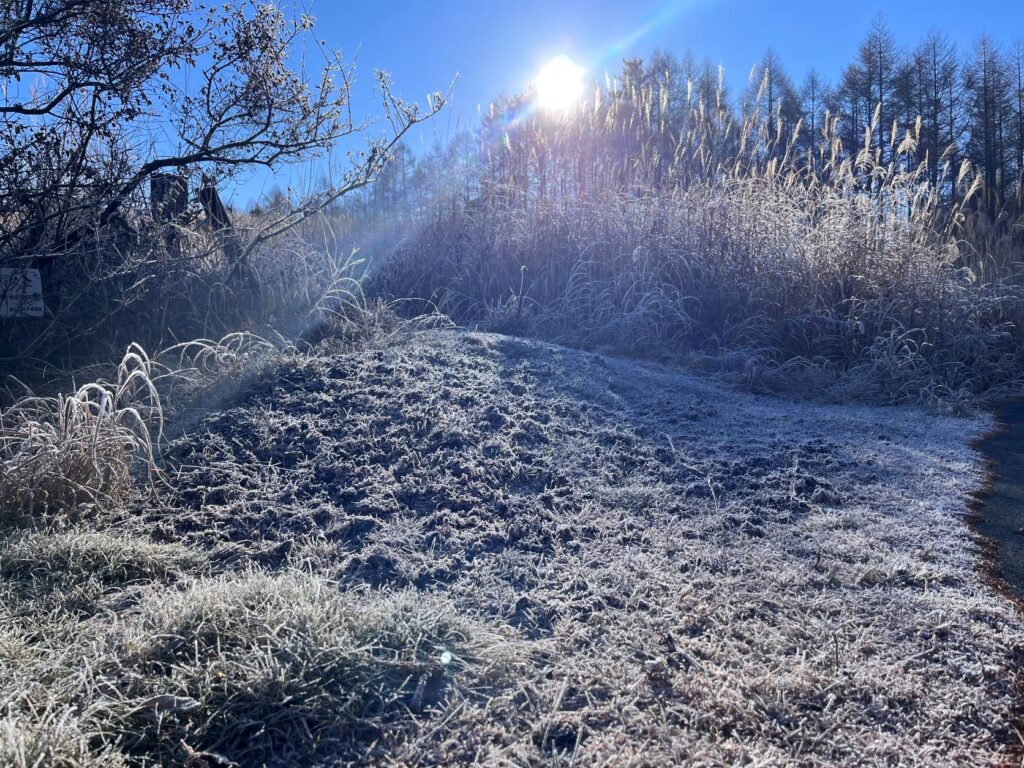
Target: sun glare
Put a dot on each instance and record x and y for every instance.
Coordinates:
(559, 84)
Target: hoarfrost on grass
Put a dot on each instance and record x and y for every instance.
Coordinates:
(698, 574)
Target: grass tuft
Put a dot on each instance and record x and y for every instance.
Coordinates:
(251, 667)
(288, 664)
(79, 450)
(53, 738)
(71, 571)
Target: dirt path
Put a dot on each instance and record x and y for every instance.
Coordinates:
(698, 574)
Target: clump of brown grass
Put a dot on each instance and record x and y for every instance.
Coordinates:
(57, 453)
(72, 451)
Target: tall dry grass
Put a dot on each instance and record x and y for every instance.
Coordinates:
(731, 246)
(59, 452)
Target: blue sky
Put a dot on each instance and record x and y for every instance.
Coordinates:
(496, 46)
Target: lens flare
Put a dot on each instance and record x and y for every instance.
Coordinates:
(559, 84)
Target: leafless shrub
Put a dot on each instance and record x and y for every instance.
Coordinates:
(123, 262)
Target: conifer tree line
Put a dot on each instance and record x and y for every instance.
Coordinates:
(960, 105)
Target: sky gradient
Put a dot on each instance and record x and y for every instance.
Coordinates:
(497, 47)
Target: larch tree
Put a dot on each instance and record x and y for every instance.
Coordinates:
(813, 98)
(940, 102)
(1017, 84)
(853, 110)
(878, 60)
(771, 100)
(989, 100)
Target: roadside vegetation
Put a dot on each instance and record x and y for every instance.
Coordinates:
(657, 221)
(860, 239)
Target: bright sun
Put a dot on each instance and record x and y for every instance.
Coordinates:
(559, 84)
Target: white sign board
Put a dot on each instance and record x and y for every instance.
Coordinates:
(21, 292)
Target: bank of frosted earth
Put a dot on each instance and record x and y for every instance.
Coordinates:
(689, 573)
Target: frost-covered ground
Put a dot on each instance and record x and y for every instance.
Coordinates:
(689, 573)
